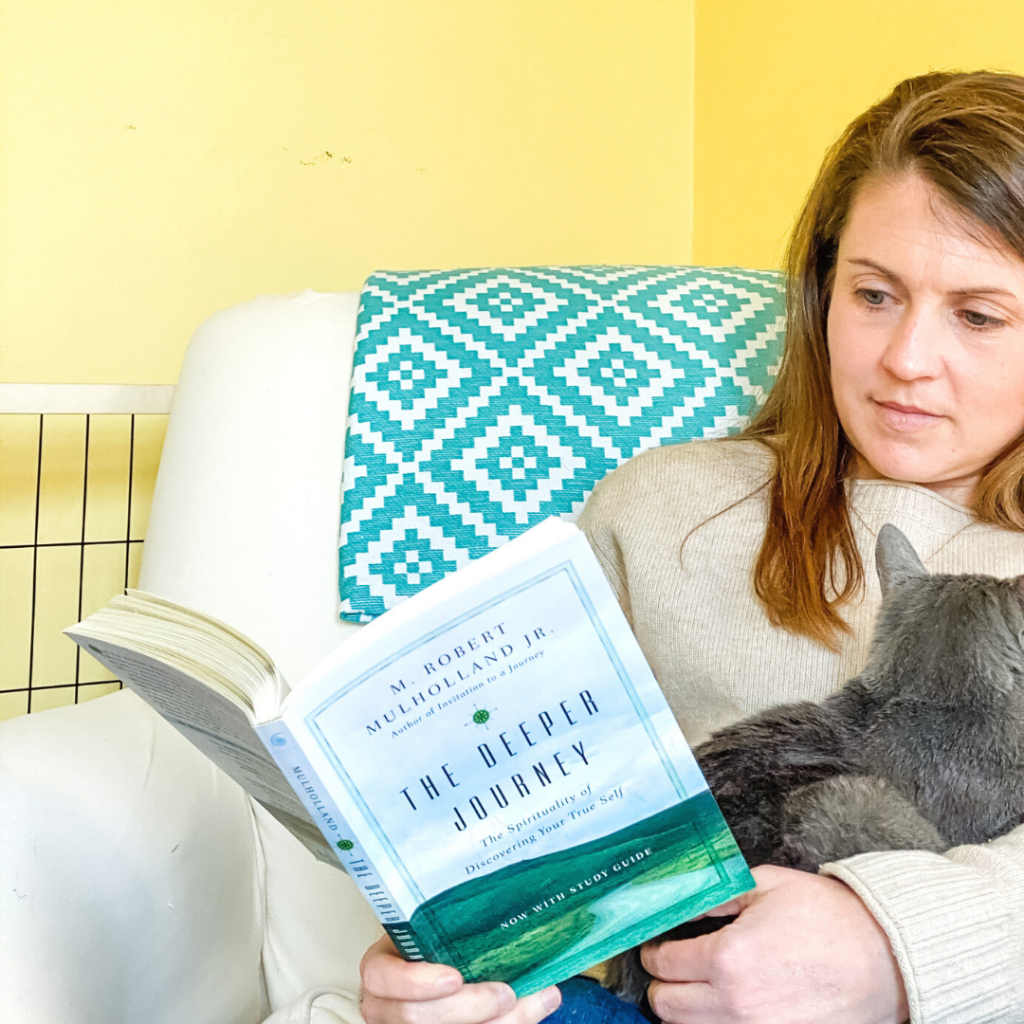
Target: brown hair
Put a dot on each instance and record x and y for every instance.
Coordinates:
(964, 134)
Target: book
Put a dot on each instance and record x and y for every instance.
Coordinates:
(492, 761)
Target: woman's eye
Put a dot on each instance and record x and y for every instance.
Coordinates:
(872, 296)
(976, 319)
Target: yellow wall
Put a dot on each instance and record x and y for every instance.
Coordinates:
(160, 160)
(777, 82)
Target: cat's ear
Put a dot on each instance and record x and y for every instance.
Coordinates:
(895, 558)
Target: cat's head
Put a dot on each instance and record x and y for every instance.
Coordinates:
(941, 637)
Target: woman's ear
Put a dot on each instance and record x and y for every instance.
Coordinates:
(895, 559)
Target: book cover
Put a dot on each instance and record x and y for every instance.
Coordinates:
(506, 781)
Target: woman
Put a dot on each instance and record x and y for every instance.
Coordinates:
(740, 564)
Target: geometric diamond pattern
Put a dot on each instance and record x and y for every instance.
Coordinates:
(484, 400)
(517, 463)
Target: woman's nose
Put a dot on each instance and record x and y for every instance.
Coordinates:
(912, 348)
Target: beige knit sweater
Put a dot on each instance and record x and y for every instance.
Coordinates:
(956, 922)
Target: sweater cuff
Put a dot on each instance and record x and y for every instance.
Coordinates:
(325, 1005)
(952, 935)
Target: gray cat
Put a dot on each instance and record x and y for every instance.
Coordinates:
(923, 750)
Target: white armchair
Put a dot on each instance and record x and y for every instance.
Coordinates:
(137, 882)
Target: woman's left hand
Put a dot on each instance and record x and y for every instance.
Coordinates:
(804, 949)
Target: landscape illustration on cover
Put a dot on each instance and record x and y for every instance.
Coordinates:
(539, 921)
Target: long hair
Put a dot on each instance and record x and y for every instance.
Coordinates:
(964, 134)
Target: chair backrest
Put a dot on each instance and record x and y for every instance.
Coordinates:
(244, 523)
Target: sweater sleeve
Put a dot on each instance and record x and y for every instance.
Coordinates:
(956, 925)
(325, 1005)
(598, 521)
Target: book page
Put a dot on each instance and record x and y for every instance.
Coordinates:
(220, 729)
(199, 645)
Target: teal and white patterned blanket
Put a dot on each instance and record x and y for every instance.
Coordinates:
(484, 400)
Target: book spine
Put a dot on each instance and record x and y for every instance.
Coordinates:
(343, 841)
(406, 940)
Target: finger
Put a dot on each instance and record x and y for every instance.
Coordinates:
(386, 975)
(534, 1008)
(472, 1004)
(735, 906)
(768, 876)
(681, 959)
(729, 909)
(691, 1003)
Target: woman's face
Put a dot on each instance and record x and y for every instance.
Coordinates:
(926, 341)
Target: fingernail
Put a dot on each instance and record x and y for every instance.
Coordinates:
(551, 998)
(506, 998)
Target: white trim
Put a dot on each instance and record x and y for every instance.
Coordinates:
(86, 398)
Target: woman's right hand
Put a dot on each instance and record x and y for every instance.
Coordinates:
(397, 991)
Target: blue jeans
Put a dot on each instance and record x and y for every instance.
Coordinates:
(584, 1001)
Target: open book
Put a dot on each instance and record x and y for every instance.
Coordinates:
(492, 761)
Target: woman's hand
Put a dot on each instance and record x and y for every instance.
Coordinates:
(395, 991)
(803, 950)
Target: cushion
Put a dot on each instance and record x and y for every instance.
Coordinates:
(484, 400)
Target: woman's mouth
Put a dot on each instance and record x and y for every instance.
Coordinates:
(905, 417)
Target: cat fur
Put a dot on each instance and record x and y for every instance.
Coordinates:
(924, 749)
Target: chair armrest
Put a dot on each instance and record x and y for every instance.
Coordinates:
(127, 874)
